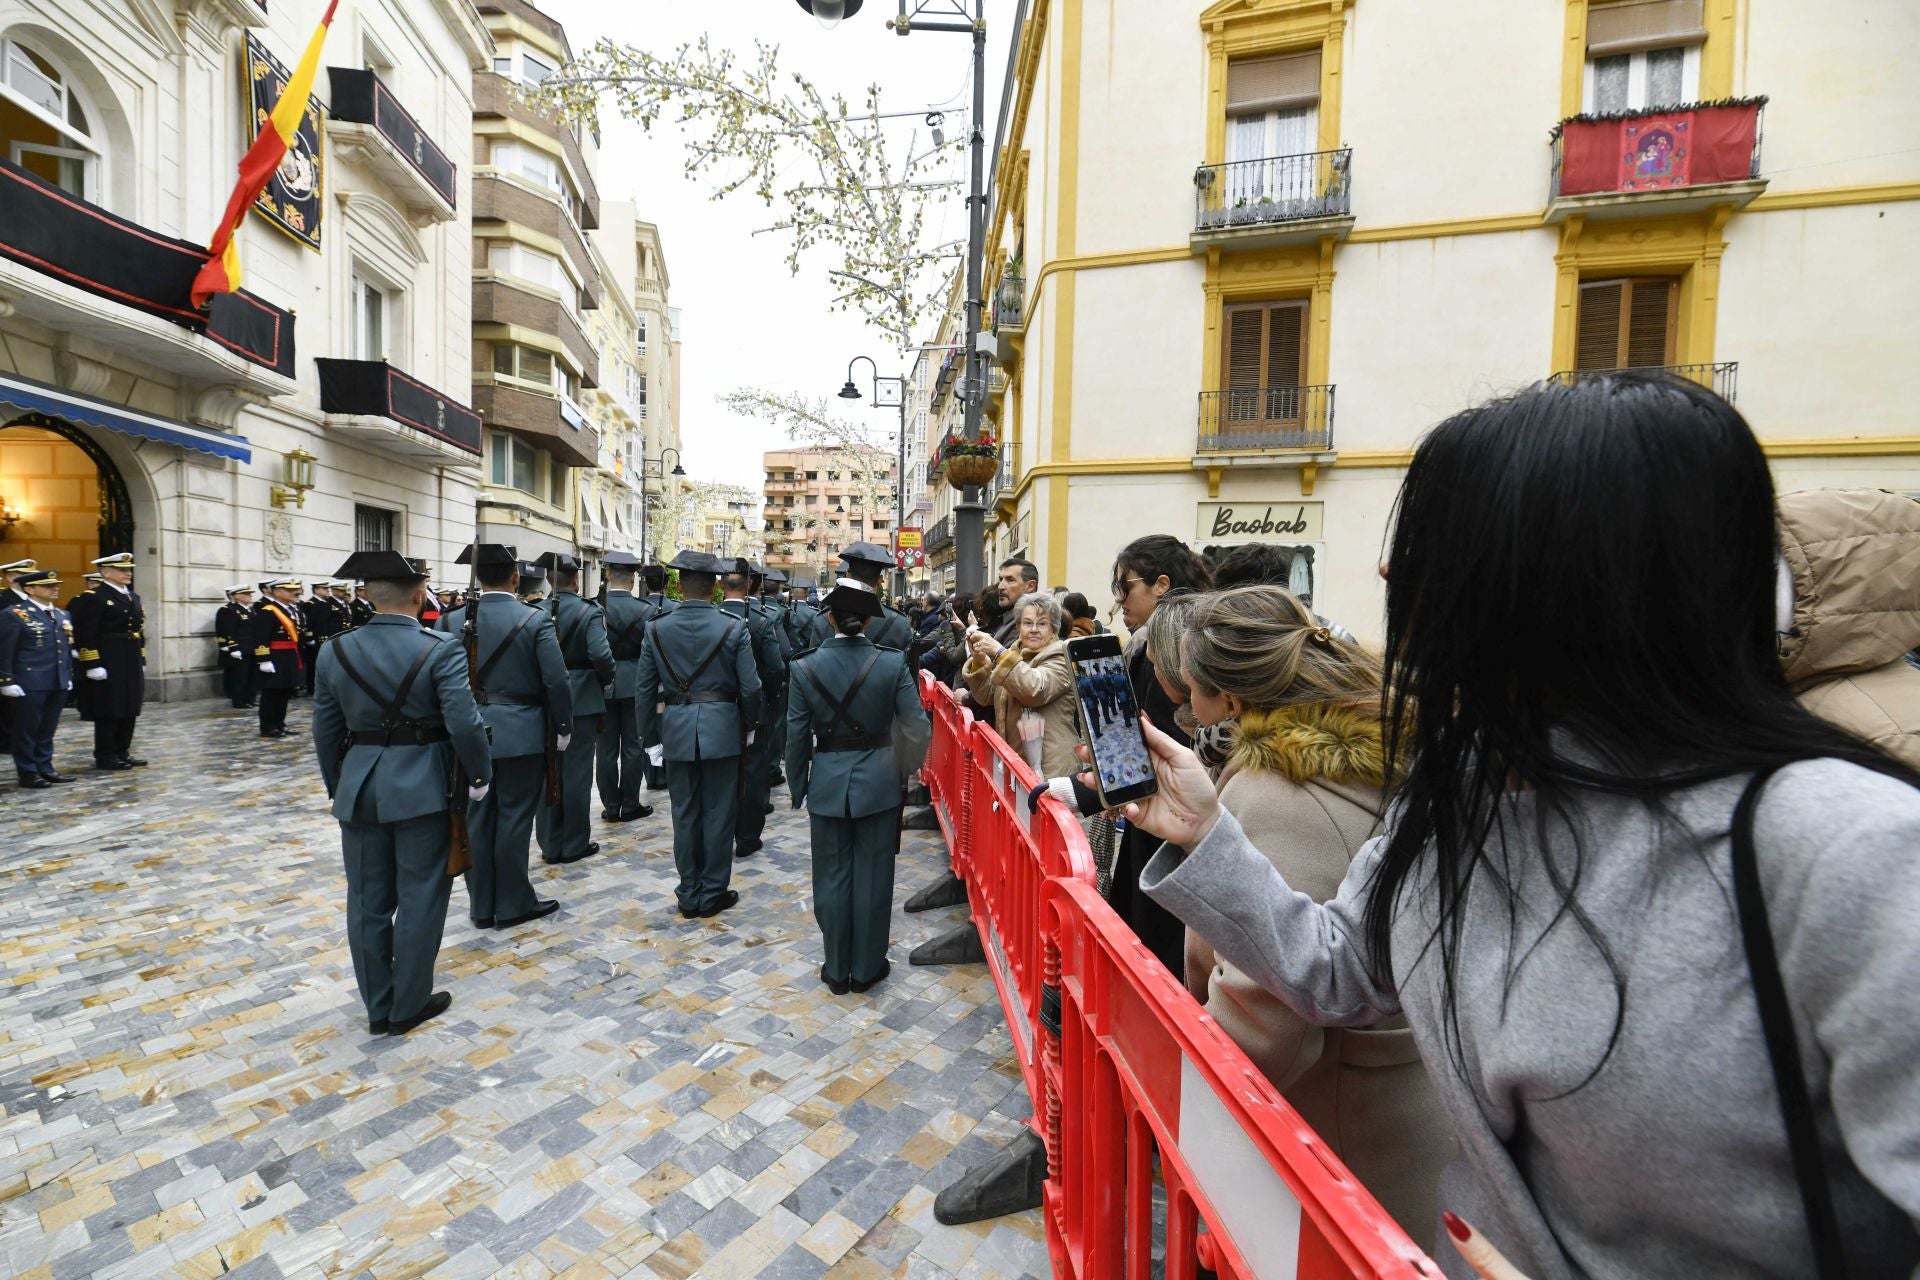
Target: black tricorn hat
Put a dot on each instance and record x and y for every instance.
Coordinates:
(656, 575)
(483, 554)
(776, 575)
(620, 560)
(867, 553)
(531, 572)
(853, 599)
(558, 560)
(383, 566)
(696, 562)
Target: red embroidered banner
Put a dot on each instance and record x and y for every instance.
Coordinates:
(1658, 150)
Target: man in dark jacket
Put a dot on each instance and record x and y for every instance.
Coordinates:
(232, 626)
(109, 640)
(621, 757)
(275, 646)
(770, 663)
(36, 673)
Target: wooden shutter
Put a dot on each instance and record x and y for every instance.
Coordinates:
(1634, 25)
(1286, 344)
(1625, 324)
(1273, 84)
(1245, 347)
(1266, 345)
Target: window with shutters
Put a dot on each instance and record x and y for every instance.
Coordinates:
(1265, 361)
(1642, 55)
(1273, 130)
(1626, 324)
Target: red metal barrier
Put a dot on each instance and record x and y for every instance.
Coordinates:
(1138, 1068)
(946, 769)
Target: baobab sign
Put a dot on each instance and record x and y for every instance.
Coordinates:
(1289, 521)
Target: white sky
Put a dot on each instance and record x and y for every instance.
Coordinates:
(748, 321)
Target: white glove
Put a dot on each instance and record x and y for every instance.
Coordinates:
(96, 673)
(233, 653)
(749, 737)
(479, 793)
(267, 667)
(657, 755)
(560, 741)
(12, 691)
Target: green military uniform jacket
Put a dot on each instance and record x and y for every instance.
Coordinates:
(769, 653)
(885, 711)
(627, 619)
(723, 699)
(526, 687)
(581, 627)
(399, 782)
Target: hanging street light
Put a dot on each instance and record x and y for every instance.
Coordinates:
(828, 13)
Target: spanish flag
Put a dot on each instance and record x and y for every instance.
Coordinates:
(221, 274)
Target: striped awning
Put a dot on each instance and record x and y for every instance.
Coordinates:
(26, 395)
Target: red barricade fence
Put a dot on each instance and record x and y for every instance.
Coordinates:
(1122, 1064)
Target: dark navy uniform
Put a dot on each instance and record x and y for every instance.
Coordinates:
(756, 761)
(662, 605)
(621, 756)
(232, 629)
(565, 830)
(855, 730)
(36, 672)
(276, 635)
(109, 638)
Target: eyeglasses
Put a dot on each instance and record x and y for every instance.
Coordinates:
(1124, 587)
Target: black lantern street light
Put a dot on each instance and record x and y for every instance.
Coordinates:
(969, 516)
(654, 469)
(898, 389)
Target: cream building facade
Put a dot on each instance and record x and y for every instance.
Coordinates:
(1338, 221)
(324, 408)
(818, 501)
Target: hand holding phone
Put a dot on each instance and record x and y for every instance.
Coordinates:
(1122, 766)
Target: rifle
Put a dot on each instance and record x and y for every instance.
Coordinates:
(555, 773)
(460, 848)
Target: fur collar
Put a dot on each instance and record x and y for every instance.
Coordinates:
(1332, 743)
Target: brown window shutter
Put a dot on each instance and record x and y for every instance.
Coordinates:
(1597, 336)
(1245, 327)
(1284, 83)
(1650, 323)
(1286, 344)
(1633, 25)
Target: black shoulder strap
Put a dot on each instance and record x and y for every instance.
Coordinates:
(626, 633)
(493, 659)
(841, 706)
(1783, 1046)
(566, 641)
(393, 709)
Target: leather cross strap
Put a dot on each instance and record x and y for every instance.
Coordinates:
(393, 709)
(566, 641)
(842, 706)
(615, 640)
(493, 659)
(666, 664)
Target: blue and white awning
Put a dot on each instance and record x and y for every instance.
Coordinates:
(24, 394)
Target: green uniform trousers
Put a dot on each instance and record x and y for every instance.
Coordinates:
(397, 889)
(756, 766)
(777, 747)
(853, 891)
(705, 802)
(501, 827)
(619, 758)
(565, 830)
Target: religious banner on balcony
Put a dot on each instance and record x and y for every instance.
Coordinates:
(293, 197)
(1659, 150)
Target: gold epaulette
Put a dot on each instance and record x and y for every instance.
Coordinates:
(89, 655)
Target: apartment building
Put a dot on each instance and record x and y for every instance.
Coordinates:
(1230, 316)
(322, 409)
(817, 501)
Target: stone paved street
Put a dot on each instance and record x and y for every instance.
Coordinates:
(187, 1086)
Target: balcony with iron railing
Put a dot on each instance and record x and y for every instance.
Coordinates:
(1010, 304)
(1722, 379)
(940, 536)
(1272, 201)
(1636, 164)
(1267, 420)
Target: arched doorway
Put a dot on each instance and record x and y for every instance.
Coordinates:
(75, 503)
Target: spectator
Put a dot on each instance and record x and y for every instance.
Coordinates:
(1261, 564)
(1306, 780)
(1082, 618)
(986, 612)
(1030, 686)
(1162, 636)
(1854, 560)
(1611, 790)
(1147, 570)
(1018, 578)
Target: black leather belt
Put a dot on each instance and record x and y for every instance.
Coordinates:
(486, 699)
(684, 699)
(407, 735)
(841, 742)
(585, 666)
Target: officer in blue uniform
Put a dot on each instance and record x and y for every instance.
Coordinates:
(655, 578)
(36, 673)
(11, 595)
(564, 830)
(621, 759)
(527, 703)
(699, 697)
(109, 644)
(232, 626)
(770, 664)
(401, 747)
(866, 563)
(855, 730)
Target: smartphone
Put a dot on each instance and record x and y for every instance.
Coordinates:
(1121, 763)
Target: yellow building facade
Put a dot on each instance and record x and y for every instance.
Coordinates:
(1243, 254)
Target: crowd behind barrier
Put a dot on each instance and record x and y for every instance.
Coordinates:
(1122, 1064)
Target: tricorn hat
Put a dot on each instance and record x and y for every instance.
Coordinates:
(776, 575)
(383, 566)
(487, 554)
(558, 561)
(867, 553)
(853, 598)
(531, 572)
(620, 560)
(695, 562)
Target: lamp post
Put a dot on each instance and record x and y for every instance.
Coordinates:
(852, 392)
(654, 469)
(969, 516)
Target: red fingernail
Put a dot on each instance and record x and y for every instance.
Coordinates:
(1455, 1227)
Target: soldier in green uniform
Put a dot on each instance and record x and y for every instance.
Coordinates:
(806, 626)
(533, 583)
(699, 696)
(110, 647)
(867, 563)
(621, 757)
(773, 600)
(770, 664)
(524, 698)
(400, 747)
(855, 729)
(565, 829)
(655, 578)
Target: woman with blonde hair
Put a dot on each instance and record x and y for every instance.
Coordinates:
(1306, 774)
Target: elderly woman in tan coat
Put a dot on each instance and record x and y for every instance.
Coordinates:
(1029, 685)
(1306, 776)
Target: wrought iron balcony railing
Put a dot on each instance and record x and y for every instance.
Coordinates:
(1260, 193)
(1010, 304)
(1255, 418)
(1722, 379)
(940, 537)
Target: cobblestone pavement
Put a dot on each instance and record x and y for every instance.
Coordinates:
(187, 1086)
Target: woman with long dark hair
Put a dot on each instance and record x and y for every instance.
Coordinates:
(1655, 927)
(1147, 571)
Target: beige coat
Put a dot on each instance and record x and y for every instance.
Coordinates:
(1854, 555)
(1306, 785)
(1018, 681)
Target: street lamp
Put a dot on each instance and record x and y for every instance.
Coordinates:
(852, 392)
(654, 469)
(969, 522)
